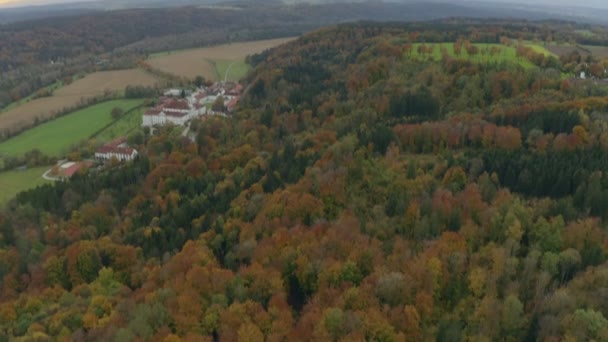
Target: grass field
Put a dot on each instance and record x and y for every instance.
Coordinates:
(506, 53)
(70, 95)
(193, 62)
(122, 126)
(228, 70)
(585, 33)
(541, 49)
(55, 137)
(13, 182)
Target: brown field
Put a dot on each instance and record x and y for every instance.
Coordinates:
(596, 51)
(562, 50)
(191, 63)
(71, 95)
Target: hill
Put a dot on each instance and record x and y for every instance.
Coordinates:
(356, 194)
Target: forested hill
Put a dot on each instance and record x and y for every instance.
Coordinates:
(372, 186)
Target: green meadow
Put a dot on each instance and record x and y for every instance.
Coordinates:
(55, 137)
(505, 53)
(123, 126)
(15, 181)
(231, 70)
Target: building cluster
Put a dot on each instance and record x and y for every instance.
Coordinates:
(177, 106)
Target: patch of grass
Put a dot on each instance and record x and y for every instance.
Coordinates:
(57, 136)
(123, 126)
(14, 182)
(231, 70)
(504, 54)
(541, 49)
(585, 33)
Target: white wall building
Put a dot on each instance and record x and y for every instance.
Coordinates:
(119, 150)
(172, 111)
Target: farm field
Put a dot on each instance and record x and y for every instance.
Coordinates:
(14, 181)
(72, 94)
(122, 126)
(583, 50)
(194, 62)
(506, 53)
(597, 51)
(541, 49)
(228, 70)
(27, 99)
(56, 136)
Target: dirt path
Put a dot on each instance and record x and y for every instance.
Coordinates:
(228, 71)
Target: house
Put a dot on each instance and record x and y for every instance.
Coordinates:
(117, 149)
(173, 92)
(232, 104)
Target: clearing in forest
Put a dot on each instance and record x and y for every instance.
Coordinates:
(194, 62)
(486, 53)
(57, 136)
(74, 94)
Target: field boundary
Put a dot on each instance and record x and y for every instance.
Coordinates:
(98, 132)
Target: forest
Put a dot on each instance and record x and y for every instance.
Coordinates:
(360, 192)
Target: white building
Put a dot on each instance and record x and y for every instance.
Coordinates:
(178, 111)
(117, 149)
(172, 111)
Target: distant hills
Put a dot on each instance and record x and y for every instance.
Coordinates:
(393, 10)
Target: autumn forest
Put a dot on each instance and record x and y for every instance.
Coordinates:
(378, 182)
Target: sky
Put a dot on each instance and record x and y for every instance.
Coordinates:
(19, 3)
(583, 3)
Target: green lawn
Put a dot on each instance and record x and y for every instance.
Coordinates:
(125, 125)
(231, 70)
(541, 49)
(57, 136)
(505, 54)
(585, 33)
(13, 182)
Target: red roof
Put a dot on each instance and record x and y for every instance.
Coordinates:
(232, 103)
(116, 146)
(152, 111)
(70, 171)
(177, 104)
(115, 150)
(174, 113)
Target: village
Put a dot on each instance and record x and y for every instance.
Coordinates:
(177, 107)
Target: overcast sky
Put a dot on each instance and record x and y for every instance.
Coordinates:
(585, 3)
